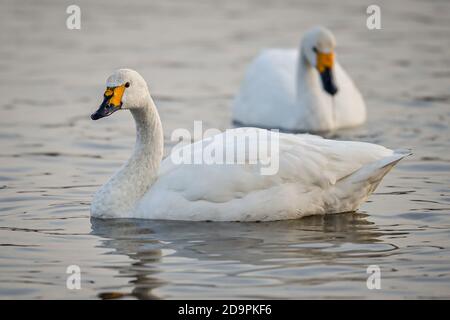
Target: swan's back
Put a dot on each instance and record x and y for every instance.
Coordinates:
(311, 169)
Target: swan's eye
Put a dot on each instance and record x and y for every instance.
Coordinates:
(315, 49)
(127, 85)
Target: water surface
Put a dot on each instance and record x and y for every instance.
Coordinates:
(53, 157)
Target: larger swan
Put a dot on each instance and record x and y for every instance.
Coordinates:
(315, 175)
(299, 90)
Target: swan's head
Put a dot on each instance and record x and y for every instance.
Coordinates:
(125, 89)
(318, 48)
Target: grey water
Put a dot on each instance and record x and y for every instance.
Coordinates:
(193, 55)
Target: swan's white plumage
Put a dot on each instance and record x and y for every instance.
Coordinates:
(282, 90)
(315, 176)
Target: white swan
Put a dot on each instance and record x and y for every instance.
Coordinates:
(315, 176)
(307, 91)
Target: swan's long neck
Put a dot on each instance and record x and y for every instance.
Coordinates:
(148, 151)
(307, 79)
(121, 193)
(316, 104)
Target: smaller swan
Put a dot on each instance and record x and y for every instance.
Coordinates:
(315, 176)
(302, 90)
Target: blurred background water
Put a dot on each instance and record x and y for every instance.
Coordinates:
(193, 55)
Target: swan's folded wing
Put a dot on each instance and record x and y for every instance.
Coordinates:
(308, 161)
(323, 162)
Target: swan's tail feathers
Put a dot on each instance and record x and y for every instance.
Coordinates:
(360, 184)
(371, 174)
(386, 164)
(374, 172)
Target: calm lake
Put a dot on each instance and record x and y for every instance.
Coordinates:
(193, 54)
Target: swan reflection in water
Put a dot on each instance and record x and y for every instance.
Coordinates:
(292, 243)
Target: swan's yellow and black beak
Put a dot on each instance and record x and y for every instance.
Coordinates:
(112, 101)
(325, 64)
